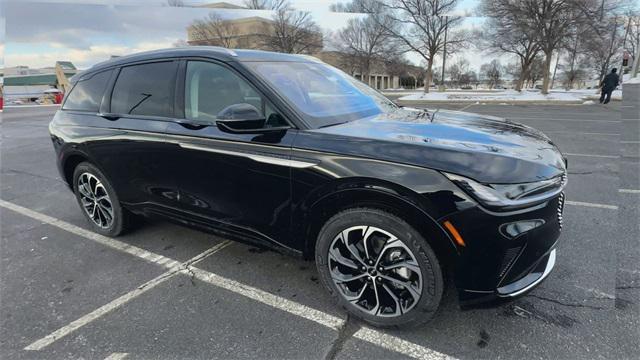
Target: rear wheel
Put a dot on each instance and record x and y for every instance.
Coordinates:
(98, 200)
(378, 268)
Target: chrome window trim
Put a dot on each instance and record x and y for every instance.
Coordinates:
(255, 157)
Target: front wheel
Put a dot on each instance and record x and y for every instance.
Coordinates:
(378, 268)
(98, 201)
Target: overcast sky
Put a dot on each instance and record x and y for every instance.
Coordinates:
(86, 32)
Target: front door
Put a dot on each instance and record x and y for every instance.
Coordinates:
(240, 182)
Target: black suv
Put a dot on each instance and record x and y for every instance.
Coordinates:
(287, 152)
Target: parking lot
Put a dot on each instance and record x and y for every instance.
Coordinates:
(163, 291)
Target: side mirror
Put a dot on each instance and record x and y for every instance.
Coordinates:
(243, 119)
(240, 117)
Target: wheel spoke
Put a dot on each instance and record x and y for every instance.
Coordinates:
(375, 310)
(83, 190)
(392, 242)
(337, 256)
(341, 278)
(359, 295)
(106, 213)
(395, 299)
(352, 249)
(404, 284)
(365, 237)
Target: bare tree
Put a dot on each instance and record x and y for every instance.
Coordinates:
(458, 72)
(175, 3)
(293, 32)
(493, 72)
(502, 33)
(605, 32)
(266, 4)
(420, 27)
(366, 40)
(536, 71)
(355, 6)
(180, 43)
(215, 30)
(549, 20)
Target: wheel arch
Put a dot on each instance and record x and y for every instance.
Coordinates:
(378, 194)
(69, 164)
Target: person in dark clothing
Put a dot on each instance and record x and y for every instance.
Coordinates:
(609, 83)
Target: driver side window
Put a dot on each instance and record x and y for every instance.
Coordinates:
(209, 88)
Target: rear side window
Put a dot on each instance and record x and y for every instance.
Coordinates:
(87, 94)
(145, 89)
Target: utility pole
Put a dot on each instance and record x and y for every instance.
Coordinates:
(444, 52)
(636, 61)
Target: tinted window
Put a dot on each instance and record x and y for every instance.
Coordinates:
(209, 88)
(87, 94)
(145, 89)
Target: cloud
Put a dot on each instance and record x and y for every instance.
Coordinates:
(81, 58)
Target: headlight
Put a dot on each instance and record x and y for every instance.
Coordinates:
(510, 195)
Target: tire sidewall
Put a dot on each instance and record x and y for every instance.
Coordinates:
(433, 283)
(118, 221)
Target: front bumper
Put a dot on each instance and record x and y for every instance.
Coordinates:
(505, 254)
(535, 277)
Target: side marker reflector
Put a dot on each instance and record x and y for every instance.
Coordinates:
(454, 232)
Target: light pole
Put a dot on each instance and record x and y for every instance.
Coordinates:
(444, 53)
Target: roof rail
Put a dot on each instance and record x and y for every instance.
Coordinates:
(228, 51)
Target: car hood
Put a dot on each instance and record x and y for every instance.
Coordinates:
(485, 148)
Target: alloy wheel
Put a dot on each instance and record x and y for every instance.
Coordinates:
(95, 200)
(375, 271)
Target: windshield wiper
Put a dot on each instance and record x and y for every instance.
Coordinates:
(433, 116)
(339, 123)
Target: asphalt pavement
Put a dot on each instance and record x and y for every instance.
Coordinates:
(164, 291)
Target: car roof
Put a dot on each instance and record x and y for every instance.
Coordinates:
(214, 52)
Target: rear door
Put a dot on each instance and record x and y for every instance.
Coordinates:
(240, 182)
(137, 111)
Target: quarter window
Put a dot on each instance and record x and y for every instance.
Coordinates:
(209, 88)
(145, 89)
(87, 94)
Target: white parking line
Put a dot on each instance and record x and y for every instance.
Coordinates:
(118, 245)
(593, 155)
(116, 356)
(557, 119)
(466, 107)
(372, 336)
(396, 344)
(579, 133)
(593, 205)
(629, 191)
(598, 293)
(103, 310)
(629, 142)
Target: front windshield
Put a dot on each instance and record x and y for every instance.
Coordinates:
(322, 94)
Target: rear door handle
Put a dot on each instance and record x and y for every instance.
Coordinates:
(109, 116)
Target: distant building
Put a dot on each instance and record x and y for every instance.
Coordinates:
(24, 83)
(378, 77)
(220, 5)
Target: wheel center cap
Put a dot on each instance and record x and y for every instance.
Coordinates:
(372, 271)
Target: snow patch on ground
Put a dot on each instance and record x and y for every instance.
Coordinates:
(635, 80)
(509, 95)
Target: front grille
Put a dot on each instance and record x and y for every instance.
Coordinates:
(560, 209)
(507, 260)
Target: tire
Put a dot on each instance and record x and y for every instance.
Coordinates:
(99, 189)
(425, 279)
